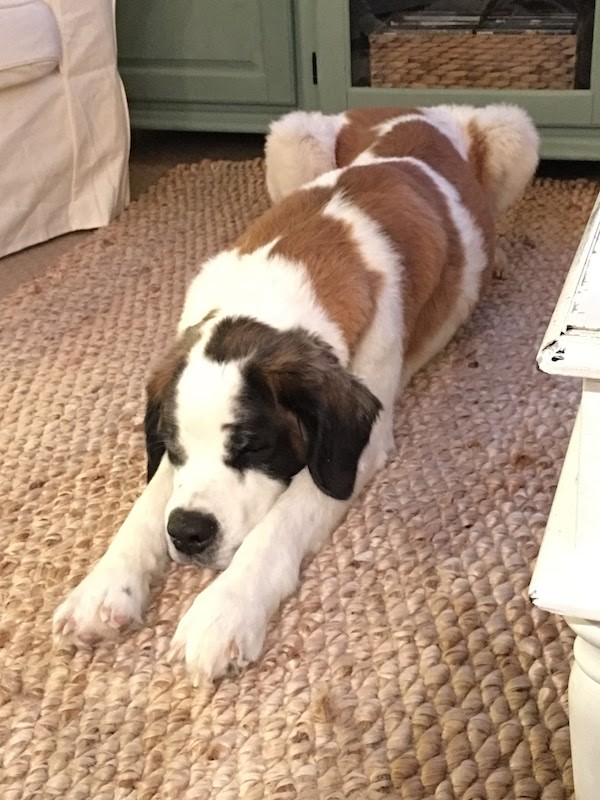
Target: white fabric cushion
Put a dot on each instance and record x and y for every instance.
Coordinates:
(30, 44)
(64, 138)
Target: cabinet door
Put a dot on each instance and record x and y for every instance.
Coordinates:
(207, 51)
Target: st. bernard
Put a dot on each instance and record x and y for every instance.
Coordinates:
(273, 408)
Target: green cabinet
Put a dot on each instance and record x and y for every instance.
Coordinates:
(568, 119)
(237, 64)
(184, 62)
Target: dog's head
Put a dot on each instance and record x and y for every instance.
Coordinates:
(239, 408)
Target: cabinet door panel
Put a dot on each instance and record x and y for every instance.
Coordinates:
(236, 51)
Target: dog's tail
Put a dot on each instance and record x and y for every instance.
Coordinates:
(503, 148)
(300, 146)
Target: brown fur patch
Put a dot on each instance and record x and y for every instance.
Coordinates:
(360, 132)
(345, 287)
(421, 140)
(294, 358)
(291, 212)
(234, 338)
(242, 337)
(419, 226)
(171, 364)
(478, 153)
(296, 438)
(432, 284)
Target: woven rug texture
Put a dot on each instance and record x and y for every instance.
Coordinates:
(409, 665)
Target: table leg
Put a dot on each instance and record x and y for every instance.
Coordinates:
(584, 710)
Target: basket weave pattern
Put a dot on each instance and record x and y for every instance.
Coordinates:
(528, 60)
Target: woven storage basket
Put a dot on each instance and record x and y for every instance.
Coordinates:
(467, 59)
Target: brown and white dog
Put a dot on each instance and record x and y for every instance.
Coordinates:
(274, 406)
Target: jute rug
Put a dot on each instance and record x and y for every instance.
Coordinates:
(410, 664)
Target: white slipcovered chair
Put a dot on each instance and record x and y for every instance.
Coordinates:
(64, 127)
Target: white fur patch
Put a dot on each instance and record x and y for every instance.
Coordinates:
(386, 127)
(326, 181)
(375, 248)
(206, 400)
(300, 146)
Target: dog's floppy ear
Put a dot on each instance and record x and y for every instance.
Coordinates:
(335, 410)
(155, 446)
(337, 418)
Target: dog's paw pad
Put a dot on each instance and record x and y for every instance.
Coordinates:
(104, 603)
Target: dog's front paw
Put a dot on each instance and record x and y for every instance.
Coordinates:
(108, 601)
(221, 633)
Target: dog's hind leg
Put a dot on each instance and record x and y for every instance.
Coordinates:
(503, 146)
(300, 147)
(112, 597)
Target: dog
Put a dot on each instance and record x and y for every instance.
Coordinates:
(274, 406)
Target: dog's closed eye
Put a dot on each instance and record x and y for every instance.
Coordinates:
(250, 444)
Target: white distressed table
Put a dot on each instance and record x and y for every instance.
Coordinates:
(566, 579)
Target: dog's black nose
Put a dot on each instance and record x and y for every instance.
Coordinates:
(191, 531)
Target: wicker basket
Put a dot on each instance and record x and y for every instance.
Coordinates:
(468, 59)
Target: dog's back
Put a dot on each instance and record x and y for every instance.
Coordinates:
(499, 142)
(432, 181)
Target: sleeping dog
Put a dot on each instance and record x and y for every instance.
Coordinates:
(273, 408)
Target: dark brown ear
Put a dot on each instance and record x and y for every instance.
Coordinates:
(156, 391)
(335, 410)
(155, 446)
